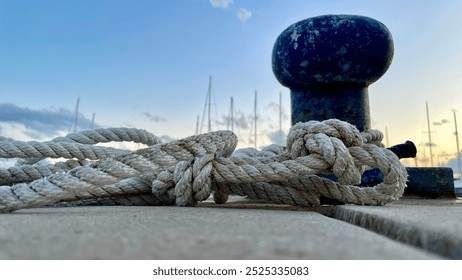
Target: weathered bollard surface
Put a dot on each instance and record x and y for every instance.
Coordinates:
(328, 62)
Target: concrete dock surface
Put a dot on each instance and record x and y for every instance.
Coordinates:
(409, 229)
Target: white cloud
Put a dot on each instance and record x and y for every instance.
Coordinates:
(31, 124)
(221, 3)
(244, 15)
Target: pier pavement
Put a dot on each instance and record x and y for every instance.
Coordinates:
(239, 229)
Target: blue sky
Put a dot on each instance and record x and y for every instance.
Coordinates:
(146, 64)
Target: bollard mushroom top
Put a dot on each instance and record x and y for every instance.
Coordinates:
(330, 50)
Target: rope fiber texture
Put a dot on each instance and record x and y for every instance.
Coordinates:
(188, 170)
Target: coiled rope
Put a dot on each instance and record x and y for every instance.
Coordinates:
(188, 170)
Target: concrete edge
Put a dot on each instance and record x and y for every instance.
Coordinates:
(438, 242)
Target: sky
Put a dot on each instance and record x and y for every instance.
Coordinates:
(147, 63)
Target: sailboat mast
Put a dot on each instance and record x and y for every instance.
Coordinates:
(280, 118)
(76, 115)
(92, 120)
(232, 114)
(386, 137)
(209, 96)
(207, 105)
(429, 135)
(255, 119)
(457, 146)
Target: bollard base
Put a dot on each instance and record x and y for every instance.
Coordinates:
(458, 192)
(424, 182)
(431, 182)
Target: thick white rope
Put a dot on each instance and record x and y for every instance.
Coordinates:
(188, 170)
(76, 145)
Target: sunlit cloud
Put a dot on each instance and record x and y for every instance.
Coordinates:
(443, 121)
(224, 4)
(243, 14)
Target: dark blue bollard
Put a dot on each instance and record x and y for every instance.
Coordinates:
(328, 62)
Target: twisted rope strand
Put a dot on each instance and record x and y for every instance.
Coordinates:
(105, 135)
(77, 146)
(188, 170)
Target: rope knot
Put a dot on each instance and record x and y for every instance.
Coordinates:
(187, 182)
(329, 140)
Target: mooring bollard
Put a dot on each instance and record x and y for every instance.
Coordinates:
(328, 62)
